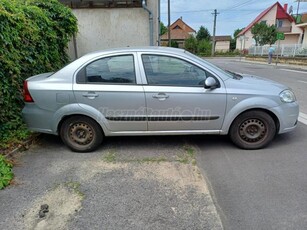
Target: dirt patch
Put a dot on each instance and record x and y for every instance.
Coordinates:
(63, 202)
(178, 174)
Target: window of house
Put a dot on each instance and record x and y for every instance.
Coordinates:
(279, 23)
(263, 21)
(114, 70)
(171, 71)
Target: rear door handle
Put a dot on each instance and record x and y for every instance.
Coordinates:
(90, 95)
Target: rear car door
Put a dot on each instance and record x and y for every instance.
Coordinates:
(176, 98)
(110, 85)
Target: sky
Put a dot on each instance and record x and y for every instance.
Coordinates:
(233, 14)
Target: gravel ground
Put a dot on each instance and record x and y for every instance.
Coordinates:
(129, 183)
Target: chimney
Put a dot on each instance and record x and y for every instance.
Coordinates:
(286, 7)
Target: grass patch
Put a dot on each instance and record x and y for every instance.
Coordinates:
(188, 155)
(6, 174)
(75, 186)
(151, 160)
(110, 156)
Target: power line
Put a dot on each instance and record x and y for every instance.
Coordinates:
(238, 5)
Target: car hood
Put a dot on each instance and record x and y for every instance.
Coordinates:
(251, 84)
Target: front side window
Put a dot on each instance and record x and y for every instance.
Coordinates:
(165, 70)
(116, 69)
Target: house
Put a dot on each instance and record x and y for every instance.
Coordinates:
(222, 43)
(274, 15)
(303, 25)
(180, 31)
(106, 24)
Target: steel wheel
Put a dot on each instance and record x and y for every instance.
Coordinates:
(81, 134)
(253, 130)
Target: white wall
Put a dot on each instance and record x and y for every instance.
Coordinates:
(222, 46)
(113, 27)
(305, 36)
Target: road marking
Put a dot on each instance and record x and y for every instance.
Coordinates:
(302, 81)
(296, 71)
(302, 117)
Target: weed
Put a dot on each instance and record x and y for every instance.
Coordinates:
(152, 160)
(6, 174)
(75, 186)
(110, 157)
(188, 155)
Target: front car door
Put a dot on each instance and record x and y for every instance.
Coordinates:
(110, 85)
(176, 98)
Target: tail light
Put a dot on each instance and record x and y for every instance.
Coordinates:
(26, 94)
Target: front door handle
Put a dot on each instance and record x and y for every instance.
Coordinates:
(160, 96)
(90, 95)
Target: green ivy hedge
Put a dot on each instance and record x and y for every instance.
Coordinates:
(6, 174)
(34, 35)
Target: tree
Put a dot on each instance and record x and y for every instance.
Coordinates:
(191, 44)
(233, 40)
(237, 31)
(203, 34)
(264, 34)
(163, 28)
(271, 35)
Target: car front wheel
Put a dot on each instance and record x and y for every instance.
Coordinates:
(252, 130)
(81, 134)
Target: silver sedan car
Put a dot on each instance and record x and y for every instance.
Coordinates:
(155, 91)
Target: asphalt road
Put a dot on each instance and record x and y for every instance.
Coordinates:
(263, 189)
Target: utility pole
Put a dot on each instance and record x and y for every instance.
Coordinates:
(298, 7)
(215, 13)
(169, 23)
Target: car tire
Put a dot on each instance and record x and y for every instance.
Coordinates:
(252, 130)
(81, 134)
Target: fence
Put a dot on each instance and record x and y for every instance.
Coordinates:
(284, 50)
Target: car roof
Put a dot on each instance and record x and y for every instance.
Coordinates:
(138, 49)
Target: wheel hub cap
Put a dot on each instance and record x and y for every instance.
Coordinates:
(252, 130)
(81, 133)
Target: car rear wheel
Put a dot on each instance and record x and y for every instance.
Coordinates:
(81, 134)
(252, 130)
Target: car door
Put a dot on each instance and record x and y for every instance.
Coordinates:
(176, 98)
(110, 85)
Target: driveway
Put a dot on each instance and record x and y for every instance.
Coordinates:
(129, 183)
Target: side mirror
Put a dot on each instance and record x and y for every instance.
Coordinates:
(210, 83)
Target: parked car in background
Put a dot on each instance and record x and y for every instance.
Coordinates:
(155, 91)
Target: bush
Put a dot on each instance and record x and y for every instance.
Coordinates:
(204, 47)
(190, 44)
(34, 35)
(174, 44)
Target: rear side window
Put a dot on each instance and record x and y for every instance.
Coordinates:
(109, 70)
(171, 71)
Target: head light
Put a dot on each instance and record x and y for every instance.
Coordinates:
(287, 96)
